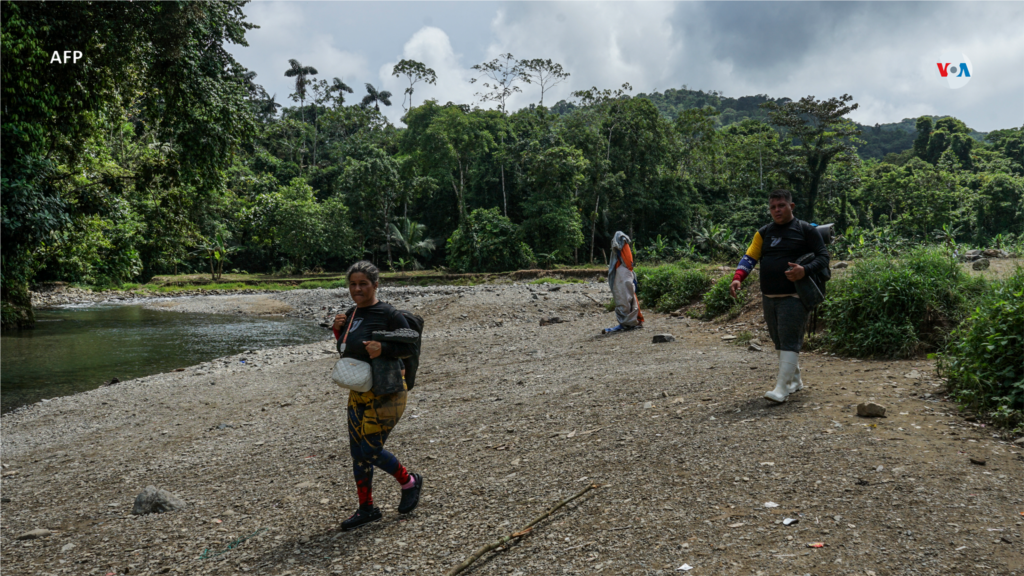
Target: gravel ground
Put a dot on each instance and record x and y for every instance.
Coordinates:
(508, 418)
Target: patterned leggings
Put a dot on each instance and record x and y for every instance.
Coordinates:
(370, 419)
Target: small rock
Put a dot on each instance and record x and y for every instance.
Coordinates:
(728, 337)
(841, 265)
(754, 347)
(660, 338)
(978, 461)
(870, 410)
(981, 264)
(913, 375)
(33, 534)
(992, 253)
(304, 485)
(156, 500)
(551, 320)
(67, 547)
(1019, 441)
(648, 405)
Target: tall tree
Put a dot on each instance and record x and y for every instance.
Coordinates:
(414, 71)
(546, 73)
(167, 60)
(339, 88)
(501, 75)
(375, 97)
(818, 133)
(301, 74)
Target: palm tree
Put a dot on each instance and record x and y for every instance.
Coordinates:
(340, 87)
(301, 74)
(411, 237)
(376, 98)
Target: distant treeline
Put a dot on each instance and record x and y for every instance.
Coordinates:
(162, 154)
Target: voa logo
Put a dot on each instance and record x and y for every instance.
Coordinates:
(955, 69)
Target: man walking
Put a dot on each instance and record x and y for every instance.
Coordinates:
(778, 246)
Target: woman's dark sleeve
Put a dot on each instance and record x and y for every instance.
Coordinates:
(397, 349)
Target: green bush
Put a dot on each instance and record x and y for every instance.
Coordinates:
(488, 242)
(983, 359)
(718, 301)
(672, 286)
(896, 307)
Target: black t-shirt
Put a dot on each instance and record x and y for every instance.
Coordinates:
(783, 244)
(366, 321)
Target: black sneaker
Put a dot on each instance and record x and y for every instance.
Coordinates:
(364, 515)
(411, 496)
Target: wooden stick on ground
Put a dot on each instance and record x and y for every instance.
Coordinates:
(523, 532)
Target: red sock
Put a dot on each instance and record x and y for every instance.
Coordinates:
(365, 492)
(402, 475)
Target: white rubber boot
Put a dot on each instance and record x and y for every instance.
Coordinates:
(787, 367)
(797, 384)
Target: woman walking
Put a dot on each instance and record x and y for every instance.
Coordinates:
(371, 417)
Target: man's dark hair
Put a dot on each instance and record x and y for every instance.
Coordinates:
(781, 193)
(364, 267)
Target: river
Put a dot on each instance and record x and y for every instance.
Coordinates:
(78, 348)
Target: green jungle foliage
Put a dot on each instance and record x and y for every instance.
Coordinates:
(160, 154)
(672, 286)
(488, 242)
(983, 360)
(895, 307)
(718, 301)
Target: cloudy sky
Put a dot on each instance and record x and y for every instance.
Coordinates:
(882, 53)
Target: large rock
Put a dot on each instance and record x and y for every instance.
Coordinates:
(659, 338)
(981, 264)
(870, 410)
(33, 534)
(153, 499)
(993, 253)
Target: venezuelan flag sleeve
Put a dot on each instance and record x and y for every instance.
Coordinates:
(749, 259)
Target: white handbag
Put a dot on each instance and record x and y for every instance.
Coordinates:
(350, 373)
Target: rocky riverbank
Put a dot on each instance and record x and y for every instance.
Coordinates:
(509, 417)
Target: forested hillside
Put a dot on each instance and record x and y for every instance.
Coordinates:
(162, 154)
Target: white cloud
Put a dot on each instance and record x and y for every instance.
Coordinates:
(433, 48)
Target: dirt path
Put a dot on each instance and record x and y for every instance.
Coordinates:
(508, 418)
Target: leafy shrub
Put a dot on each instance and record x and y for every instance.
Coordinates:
(896, 307)
(718, 301)
(488, 242)
(669, 287)
(982, 360)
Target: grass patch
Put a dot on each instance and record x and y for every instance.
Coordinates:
(897, 307)
(743, 338)
(982, 360)
(217, 286)
(557, 281)
(325, 284)
(671, 286)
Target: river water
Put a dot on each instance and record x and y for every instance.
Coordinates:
(73, 349)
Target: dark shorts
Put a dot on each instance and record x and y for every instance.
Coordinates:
(786, 319)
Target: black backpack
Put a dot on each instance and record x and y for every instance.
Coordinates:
(412, 363)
